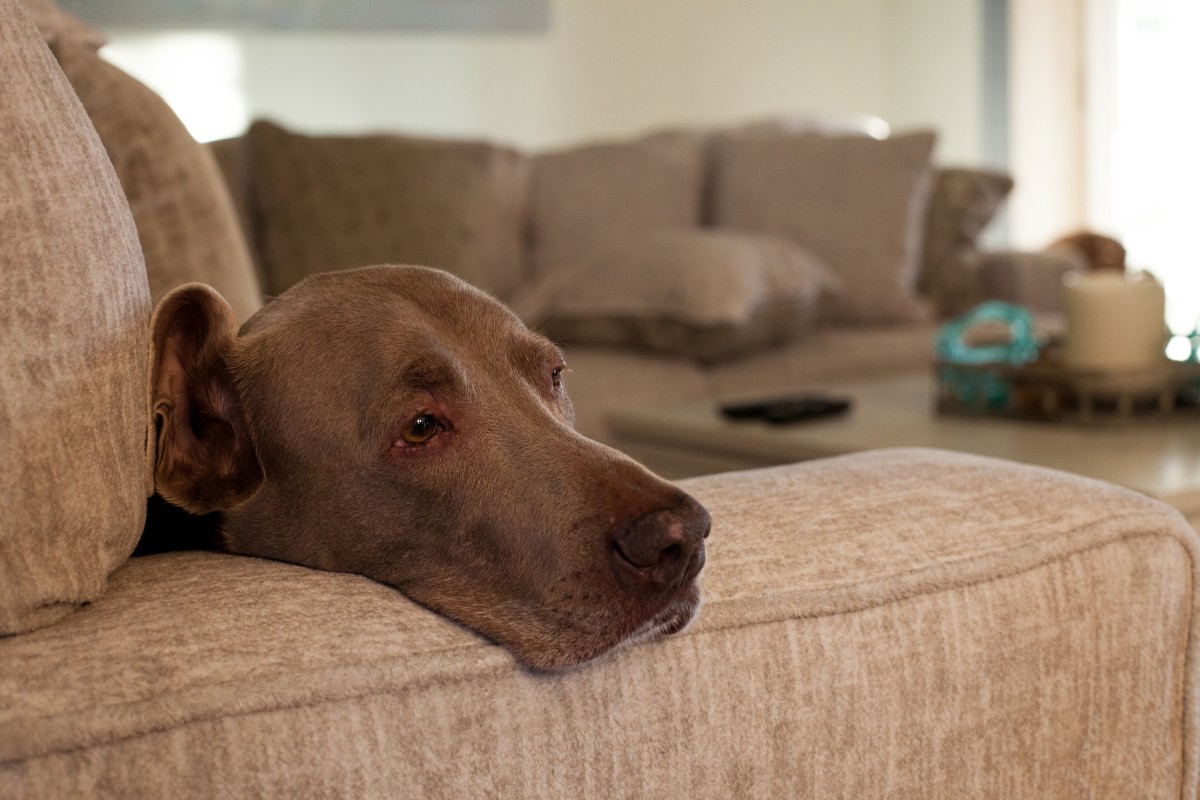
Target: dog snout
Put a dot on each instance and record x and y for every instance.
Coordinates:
(664, 547)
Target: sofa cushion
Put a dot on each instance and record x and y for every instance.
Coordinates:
(705, 295)
(233, 159)
(590, 198)
(185, 218)
(962, 204)
(856, 202)
(1031, 279)
(829, 353)
(934, 623)
(329, 202)
(72, 345)
(59, 27)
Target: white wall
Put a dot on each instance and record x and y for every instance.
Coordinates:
(934, 73)
(615, 67)
(1048, 158)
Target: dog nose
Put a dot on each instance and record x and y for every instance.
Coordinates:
(666, 546)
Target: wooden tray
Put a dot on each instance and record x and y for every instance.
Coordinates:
(1050, 390)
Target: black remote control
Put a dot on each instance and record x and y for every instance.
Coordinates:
(781, 410)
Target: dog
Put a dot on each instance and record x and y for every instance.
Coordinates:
(395, 422)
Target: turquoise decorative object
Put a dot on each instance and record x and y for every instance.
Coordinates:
(982, 388)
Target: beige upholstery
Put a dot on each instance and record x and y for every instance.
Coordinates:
(1035, 278)
(72, 345)
(961, 205)
(906, 623)
(707, 295)
(591, 205)
(856, 202)
(184, 215)
(327, 203)
(233, 159)
(901, 623)
(830, 353)
(594, 197)
(603, 379)
(59, 27)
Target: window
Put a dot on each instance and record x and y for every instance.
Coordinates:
(1144, 140)
(198, 74)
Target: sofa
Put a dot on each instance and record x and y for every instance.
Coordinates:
(904, 623)
(678, 266)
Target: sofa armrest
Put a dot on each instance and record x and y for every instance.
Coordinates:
(1031, 279)
(911, 623)
(956, 627)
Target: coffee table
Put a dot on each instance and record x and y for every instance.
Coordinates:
(1157, 456)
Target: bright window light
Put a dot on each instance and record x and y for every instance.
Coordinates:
(1149, 164)
(198, 74)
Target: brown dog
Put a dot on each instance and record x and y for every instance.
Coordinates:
(397, 423)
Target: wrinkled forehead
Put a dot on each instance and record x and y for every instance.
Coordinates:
(412, 325)
(385, 292)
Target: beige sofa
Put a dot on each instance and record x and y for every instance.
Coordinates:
(900, 623)
(678, 266)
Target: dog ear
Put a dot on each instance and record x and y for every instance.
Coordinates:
(204, 457)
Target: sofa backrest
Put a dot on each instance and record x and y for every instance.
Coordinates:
(73, 339)
(58, 26)
(322, 203)
(185, 218)
(184, 215)
(592, 197)
(580, 201)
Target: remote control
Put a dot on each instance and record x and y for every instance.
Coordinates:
(782, 410)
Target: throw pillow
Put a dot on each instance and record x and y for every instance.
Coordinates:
(705, 295)
(857, 203)
(328, 202)
(233, 159)
(591, 197)
(72, 346)
(185, 217)
(964, 201)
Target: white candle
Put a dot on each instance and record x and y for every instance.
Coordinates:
(1114, 321)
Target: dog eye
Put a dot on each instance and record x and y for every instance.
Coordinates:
(556, 377)
(421, 429)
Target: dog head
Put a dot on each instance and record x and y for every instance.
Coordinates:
(397, 423)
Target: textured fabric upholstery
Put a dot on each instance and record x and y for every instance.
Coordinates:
(60, 28)
(327, 203)
(1027, 278)
(856, 202)
(233, 159)
(73, 354)
(830, 353)
(595, 197)
(185, 218)
(962, 204)
(605, 379)
(701, 294)
(901, 623)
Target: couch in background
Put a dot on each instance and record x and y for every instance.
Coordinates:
(901, 623)
(674, 267)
